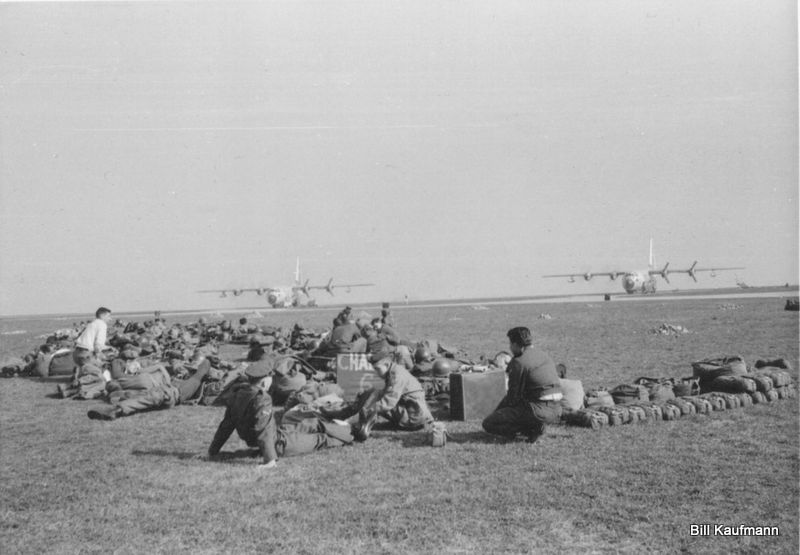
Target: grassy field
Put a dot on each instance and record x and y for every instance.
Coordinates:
(140, 484)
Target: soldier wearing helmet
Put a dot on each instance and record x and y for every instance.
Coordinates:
(401, 402)
(534, 393)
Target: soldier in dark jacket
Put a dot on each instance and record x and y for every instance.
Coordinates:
(534, 393)
(250, 413)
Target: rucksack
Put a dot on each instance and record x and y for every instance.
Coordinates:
(709, 369)
(733, 384)
(626, 393)
(598, 398)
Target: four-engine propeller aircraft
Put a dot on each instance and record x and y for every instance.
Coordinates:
(644, 281)
(285, 296)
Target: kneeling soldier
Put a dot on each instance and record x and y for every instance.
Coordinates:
(534, 392)
(401, 402)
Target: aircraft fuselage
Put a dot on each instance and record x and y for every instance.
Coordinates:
(638, 282)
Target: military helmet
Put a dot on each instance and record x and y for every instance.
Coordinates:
(422, 354)
(442, 367)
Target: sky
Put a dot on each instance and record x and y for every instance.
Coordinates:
(436, 148)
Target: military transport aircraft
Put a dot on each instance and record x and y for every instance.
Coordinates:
(285, 296)
(644, 281)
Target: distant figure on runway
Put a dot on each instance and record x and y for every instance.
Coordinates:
(534, 393)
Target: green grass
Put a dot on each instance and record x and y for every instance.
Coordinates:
(140, 484)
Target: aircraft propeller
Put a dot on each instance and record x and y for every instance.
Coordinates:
(691, 273)
(663, 273)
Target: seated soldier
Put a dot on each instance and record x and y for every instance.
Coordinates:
(249, 412)
(401, 401)
(288, 378)
(126, 363)
(345, 338)
(260, 346)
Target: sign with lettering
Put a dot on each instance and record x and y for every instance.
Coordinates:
(354, 374)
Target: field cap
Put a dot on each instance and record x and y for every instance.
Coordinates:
(380, 356)
(260, 369)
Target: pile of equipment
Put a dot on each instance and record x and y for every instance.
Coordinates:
(716, 384)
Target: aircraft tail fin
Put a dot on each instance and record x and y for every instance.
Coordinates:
(297, 271)
(651, 261)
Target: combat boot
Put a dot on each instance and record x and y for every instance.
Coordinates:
(367, 417)
(105, 413)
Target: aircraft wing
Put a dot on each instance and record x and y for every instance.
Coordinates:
(589, 275)
(330, 286)
(342, 285)
(238, 291)
(692, 270)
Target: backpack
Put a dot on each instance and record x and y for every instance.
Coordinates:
(717, 403)
(685, 407)
(733, 384)
(670, 411)
(709, 369)
(701, 406)
(626, 393)
(586, 418)
(617, 415)
(598, 398)
(652, 412)
(758, 397)
(637, 413)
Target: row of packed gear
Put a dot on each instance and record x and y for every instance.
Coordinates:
(720, 383)
(705, 403)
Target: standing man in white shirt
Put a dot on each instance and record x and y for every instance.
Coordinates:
(92, 340)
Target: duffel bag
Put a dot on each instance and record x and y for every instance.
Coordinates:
(636, 413)
(627, 393)
(670, 411)
(758, 397)
(731, 401)
(779, 377)
(685, 407)
(659, 389)
(709, 369)
(617, 415)
(701, 406)
(717, 403)
(652, 411)
(772, 395)
(744, 399)
(763, 382)
(586, 418)
(686, 386)
(781, 363)
(598, 398)
(733, 384)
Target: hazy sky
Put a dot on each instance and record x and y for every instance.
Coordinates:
(440, 149)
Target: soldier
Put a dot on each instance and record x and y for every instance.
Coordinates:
(92, 340)
(250, 413)
(149, 389)
(534, 394)
(401, 402)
